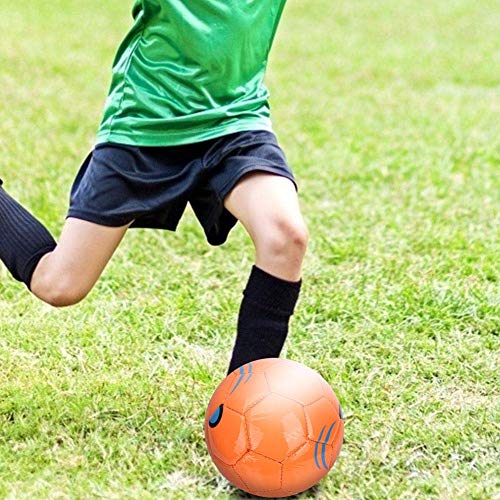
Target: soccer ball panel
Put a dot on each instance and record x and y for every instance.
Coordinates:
(229, 473)
(248, 389)
(328, 392)
(308, 465)
(261, 365)
(219, 395)
(294, 381)
(261, 474)
(227, 440)
(278, 436)
(337, 441)
(321, 418)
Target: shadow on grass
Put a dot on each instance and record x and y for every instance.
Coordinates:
(313, 492)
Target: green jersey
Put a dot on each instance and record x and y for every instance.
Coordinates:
(191, 70)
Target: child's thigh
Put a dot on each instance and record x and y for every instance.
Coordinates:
(262, 201)
(68, 273)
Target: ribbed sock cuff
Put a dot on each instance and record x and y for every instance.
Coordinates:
(271, 292)
(33, 262)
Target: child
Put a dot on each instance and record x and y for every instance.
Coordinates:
(186, 120)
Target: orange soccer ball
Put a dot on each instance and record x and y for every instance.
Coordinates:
(274, 427)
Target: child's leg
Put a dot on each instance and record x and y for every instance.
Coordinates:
(65, 276)
(58, 274)
(267, 206)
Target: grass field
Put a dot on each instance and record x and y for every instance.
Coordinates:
(389, 113)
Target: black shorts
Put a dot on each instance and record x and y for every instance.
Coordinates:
(151, 186)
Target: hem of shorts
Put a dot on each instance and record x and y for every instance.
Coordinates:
(98, 219)
(135, 223)
(219, 208)
(224, 191)
(177, 139)
(138, 224)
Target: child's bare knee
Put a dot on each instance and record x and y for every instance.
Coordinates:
(64, 296)
(285, 238)
(59, 291)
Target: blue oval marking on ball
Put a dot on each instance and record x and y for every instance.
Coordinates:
(216, 417)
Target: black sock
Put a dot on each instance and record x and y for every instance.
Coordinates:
(265, 312)
(23, 240)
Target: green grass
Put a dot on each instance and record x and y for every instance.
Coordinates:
(389, 114)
